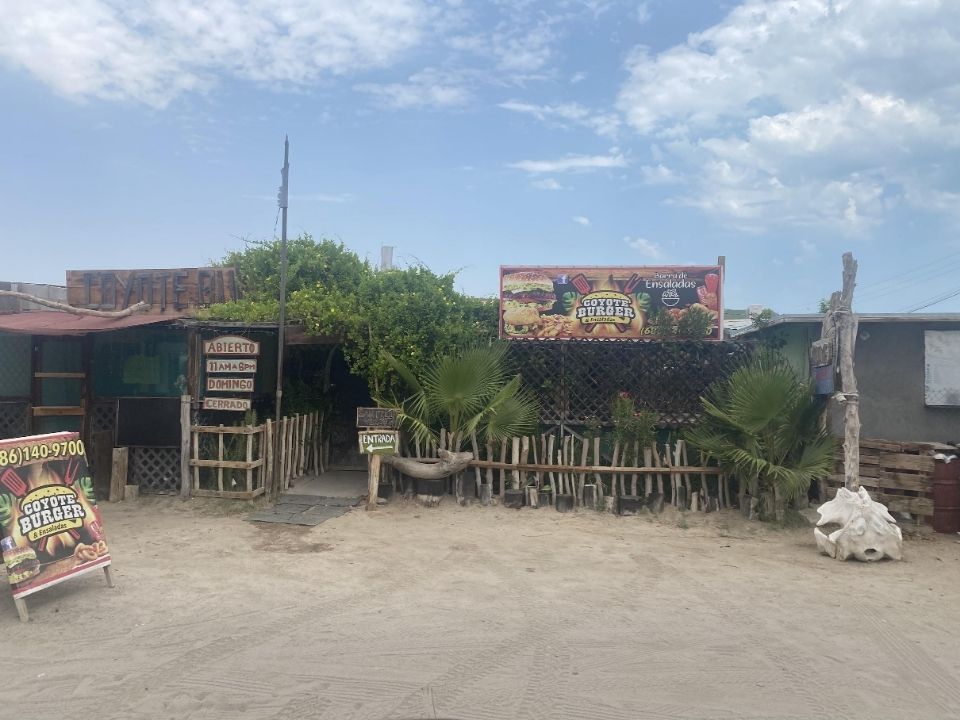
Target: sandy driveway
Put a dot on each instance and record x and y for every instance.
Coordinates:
(484, 613)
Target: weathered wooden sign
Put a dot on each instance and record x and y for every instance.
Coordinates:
(379, 442)
(231, 345)
(169, 292)
(376, 417)
(226, 403)
(230, 384)
(231, 365)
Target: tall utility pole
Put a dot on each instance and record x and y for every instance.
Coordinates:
(282, 202)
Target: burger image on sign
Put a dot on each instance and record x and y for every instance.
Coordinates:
(21, 563)
(525, 295)
(528, 288)
(521, 319)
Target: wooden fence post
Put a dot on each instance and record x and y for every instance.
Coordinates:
(118, 473)
(266, 470)
(185, 445)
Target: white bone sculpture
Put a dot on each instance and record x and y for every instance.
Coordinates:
(867, 531)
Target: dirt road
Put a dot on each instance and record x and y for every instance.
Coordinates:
(484, 613)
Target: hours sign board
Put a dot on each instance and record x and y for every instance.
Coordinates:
(231, 345)
(376, 417)
(50, 528)
(231, 365)
(226, 403)
(230, 384)
(379, 442)
(240, 357)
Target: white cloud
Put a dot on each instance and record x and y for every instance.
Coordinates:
(427, 88)
(547, 184)
(805, 112)
(577, 78)
(576, 163)
(604, 124)
(646, 248)
(151, 52)
(659, 174)
(581, 220)
(524, 50)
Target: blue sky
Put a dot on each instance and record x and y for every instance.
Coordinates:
(470, 134)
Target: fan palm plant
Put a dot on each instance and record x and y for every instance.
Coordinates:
(468, 392)
(762, 425)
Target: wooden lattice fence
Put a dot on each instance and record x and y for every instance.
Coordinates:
(14, 418)
(577, 380)
(156, 470)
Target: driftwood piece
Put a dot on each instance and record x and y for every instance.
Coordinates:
(62, 307)
(449, 464)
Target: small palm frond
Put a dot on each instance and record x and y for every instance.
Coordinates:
(515, 416)
(403, 371)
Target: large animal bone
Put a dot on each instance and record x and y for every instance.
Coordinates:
(867, 531)
(449, 464)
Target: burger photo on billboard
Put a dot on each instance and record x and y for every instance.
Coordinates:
(21, 563)
(528, 287)
(521, 319)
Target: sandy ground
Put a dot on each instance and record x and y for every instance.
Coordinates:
(483, 613)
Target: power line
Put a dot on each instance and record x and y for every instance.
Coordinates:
(910, 271)
(934, 300)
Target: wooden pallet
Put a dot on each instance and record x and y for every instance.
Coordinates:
(899, 475)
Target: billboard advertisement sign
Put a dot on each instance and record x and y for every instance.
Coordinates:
(611, 303)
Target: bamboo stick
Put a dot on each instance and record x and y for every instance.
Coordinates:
(318, 459)
(282, 443)
(584, 450)
(614, 460)
(647, 478)
(636, 461)
(220, 458)
(655, 451)
(503, 470)
(249, 459)
(302, 444)
(515, 456)
(553, 478)
(674, 479)
(196, 456)
(476, 453)
(678, 448)
(525, 456)
(489, 446)
(266, 472)
(597, 477)
(537, 476)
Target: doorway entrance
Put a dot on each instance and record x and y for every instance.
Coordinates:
(59, 396)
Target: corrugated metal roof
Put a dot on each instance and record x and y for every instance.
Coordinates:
(53, 322)
(817, 318)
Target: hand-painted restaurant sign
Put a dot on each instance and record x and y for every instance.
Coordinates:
(169, 292)
(230, 384)
(50, 527)
(231, 346)
(231, 365)
(611, 303)
(226, 403)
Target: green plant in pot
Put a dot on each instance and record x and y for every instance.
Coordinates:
(762, 424)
